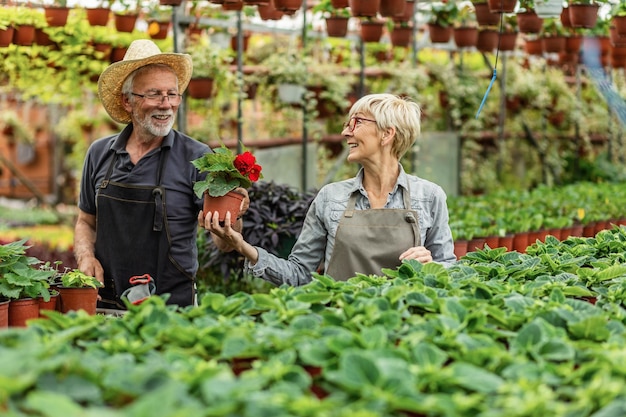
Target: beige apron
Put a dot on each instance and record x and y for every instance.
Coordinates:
(369, 240)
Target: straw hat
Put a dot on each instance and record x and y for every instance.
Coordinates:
(140, 53)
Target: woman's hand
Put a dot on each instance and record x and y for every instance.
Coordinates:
(419, 253)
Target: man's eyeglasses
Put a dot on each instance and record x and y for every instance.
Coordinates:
(354, 122)
(154, 98)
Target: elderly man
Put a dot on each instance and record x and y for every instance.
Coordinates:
(137, 223)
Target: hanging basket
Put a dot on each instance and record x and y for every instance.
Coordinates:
(337, 26)
(465, 37)
(401, 36)
(200, 88)
(583, 15)
(529, 22)
(288, 7)
(391, 8)
(487, 40)
(98, 16)
(439, 34)
(371, 30)
(508, 41)
(502, 6)
(125, 22)
(484, 17)
(364, 8)
(56, 16)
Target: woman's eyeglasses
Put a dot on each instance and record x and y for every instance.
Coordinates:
(354, 122)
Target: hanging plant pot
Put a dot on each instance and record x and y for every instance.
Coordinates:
(364, 8)
(340, 4)
(619, 22)
(290, 93)
(56, 16)
(553, 44)
(337, 26)
(508, 41)
(529, 22)
(117, 53)
(125, 22)
(42, 38)
(24, 35)
(98, 16)
(230, 202)
(256, 2)
(22, 310)
(6, 37)
(158, 30)
(371, 30)
(439, 34)
(533, 47)
(391, 8)
(170, 2)
(502, 6)
(200, 88)
(484, 17)
(407, 14)
(288, 7)
(564, 17)
(269, 12)
(104, 49)
(465, 37)
(573, 43)
(401, 36)
(234, 42)
(75, 299)
(233, 5)
(487, 40)
(583, 15)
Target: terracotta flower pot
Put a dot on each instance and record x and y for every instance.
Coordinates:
(56, 16)
(439, 34)
(98, 16)
(502, 6)
(200, 88)
(364, 8)
(125, 22)
(529, 22)
(371, 31)
(50, 304)
(583, 15)
(22, 310)
(74, 299)
(465, 37)
(484, 17)
(337, 26)
(4, 314)
(231, 202)
(460, 248)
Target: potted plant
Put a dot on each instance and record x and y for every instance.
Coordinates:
(126, 14)
(224, 172)
(288, 73)
(336, 18)
(21, 282)
(210, 69)
(78, 291)
(465, 27)
(584, 13)
(441, 21)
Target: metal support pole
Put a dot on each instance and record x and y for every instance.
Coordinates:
(181, 116)
(240, 79)
(305, 133)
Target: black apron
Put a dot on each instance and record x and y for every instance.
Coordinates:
(372, 239)
(132, 238)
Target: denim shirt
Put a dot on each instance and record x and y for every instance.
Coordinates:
(315, 244)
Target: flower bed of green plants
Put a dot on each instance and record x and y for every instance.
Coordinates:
(498, 334)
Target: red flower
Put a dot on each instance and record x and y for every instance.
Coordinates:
(244, 162)
(254, 173)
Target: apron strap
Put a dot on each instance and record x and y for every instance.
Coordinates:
(157, 193)
(409, 217)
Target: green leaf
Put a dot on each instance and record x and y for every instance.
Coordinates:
(51, 404)
(474, 378)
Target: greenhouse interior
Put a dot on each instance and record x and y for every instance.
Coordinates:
(506, 295)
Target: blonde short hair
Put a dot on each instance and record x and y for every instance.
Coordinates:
(390, 110)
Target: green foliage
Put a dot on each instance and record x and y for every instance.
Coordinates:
(19, 278)
(222, 174)
(77, 279)
(444, 14)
